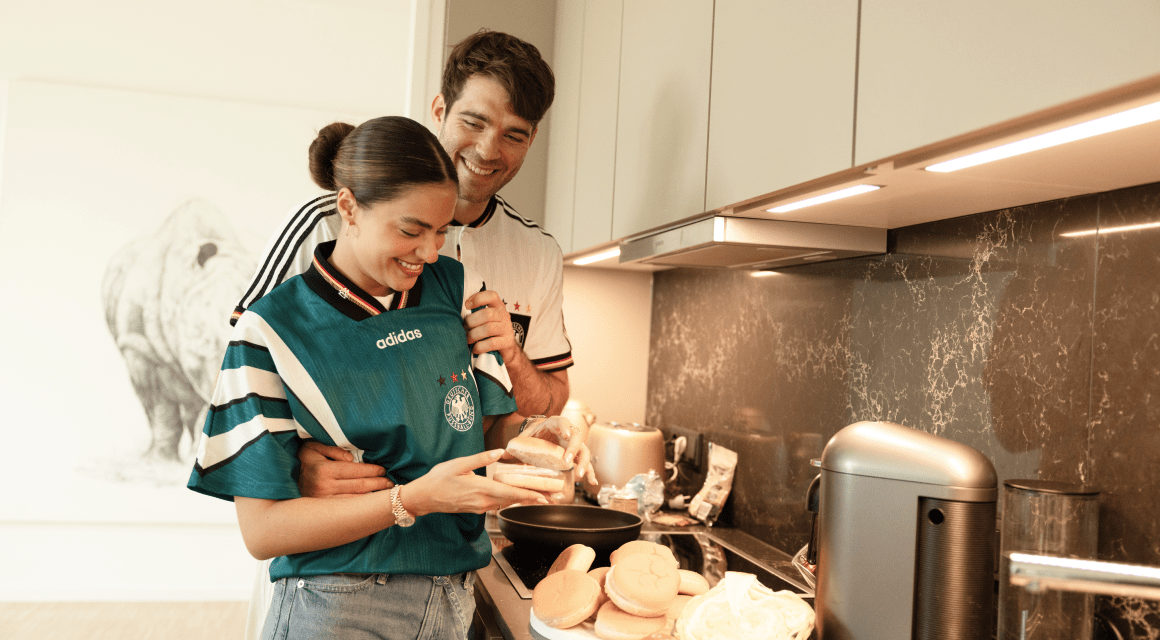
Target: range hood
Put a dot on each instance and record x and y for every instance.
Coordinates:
(751, 243)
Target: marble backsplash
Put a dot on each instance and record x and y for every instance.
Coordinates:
(998, 330)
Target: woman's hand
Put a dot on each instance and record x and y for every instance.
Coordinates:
(453, 487)
(559, 430)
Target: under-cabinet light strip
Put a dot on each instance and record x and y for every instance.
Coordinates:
(611, 253)
(1107, 124)
(1130, 227)
(826, 197)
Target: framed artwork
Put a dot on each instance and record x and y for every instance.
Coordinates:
(130, 224)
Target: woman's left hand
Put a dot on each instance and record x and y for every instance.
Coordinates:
(559, 430)
(453, 487)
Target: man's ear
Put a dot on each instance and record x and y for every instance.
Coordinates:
(438, 111)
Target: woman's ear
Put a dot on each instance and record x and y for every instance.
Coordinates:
(346, 205)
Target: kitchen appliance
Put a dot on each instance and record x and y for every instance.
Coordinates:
(1053, 519)
(578, 413)
(906, 537)
(621, 451)
(753, 243)
(557, 526)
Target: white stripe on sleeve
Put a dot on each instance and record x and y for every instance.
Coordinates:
(488, 365)
(253, 328)
(235, 384)
(213, 450)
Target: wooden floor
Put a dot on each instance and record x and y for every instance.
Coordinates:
(122, 620)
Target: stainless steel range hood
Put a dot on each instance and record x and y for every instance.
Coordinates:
(751, 243)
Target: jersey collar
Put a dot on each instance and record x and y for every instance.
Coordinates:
(488, 212)
(347, 297)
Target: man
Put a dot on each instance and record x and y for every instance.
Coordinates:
(495, 90)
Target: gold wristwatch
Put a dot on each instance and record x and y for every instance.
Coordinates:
(402, 518)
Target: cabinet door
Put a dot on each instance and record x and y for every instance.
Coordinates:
(929, 71)
(663, 113)
(782, 99)
(562, 119)
(596, 143)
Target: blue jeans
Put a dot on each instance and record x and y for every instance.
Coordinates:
(362, 606)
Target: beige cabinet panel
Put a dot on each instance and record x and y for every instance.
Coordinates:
(663, 114)
(562, 123)
(782, 101)
(596, 143)
(929, 71)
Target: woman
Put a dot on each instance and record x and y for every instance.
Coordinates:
(367, 351)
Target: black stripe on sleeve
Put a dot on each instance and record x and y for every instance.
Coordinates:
(301, 223)
(245, 398)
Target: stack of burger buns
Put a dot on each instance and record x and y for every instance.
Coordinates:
(543, 468)
(642, 594)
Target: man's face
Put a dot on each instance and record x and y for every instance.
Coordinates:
(484, 137)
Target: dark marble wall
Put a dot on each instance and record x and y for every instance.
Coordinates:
(1040, 349)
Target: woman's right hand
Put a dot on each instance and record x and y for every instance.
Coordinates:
(453, 487)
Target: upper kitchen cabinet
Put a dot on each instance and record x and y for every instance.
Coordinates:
(562, 123)
(930, 71)
(782, 109)
(663, 113)
(583, 127)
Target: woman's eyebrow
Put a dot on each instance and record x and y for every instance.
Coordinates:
(413, 220)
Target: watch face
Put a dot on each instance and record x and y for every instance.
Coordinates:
(402, 518)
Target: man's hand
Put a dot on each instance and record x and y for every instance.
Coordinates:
(331, 471)
(560, 430)
(490, 328)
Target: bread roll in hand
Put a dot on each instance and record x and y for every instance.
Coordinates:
(539, 453)
(527, 476)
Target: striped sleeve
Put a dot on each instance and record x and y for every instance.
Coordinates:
(291, 250)
(249, 443)
(491, 375)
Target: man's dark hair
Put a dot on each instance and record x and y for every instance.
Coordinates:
(516, 65)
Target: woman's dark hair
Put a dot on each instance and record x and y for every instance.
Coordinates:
(516, 65)
(378, 159)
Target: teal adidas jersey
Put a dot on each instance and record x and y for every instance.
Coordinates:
(398, 387)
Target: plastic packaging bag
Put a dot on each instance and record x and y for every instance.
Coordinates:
(739, 607)
(649, 490)
(707, 504)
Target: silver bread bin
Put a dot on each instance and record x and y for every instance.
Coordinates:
(906, 536)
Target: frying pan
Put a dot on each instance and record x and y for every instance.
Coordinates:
(563, 525)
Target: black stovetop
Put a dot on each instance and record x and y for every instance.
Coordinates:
(525, 567)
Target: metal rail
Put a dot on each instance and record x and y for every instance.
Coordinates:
(1036, 572)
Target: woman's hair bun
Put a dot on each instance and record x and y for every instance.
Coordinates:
(323, 151)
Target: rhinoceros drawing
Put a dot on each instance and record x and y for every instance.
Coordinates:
(167, 300)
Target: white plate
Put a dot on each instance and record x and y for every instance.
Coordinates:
(582, 631)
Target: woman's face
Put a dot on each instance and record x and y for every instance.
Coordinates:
(383, 247)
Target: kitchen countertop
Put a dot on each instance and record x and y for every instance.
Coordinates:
(498, 599)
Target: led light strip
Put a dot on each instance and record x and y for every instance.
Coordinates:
(1115, 122)
(611, 253)
(826, 197)
(1092, 232)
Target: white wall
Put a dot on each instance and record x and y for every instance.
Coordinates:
(607, 313)
(346, 56)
